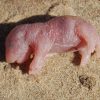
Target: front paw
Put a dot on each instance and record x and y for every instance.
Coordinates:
(34, 71)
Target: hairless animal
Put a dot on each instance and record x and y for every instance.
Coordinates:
(60, 34)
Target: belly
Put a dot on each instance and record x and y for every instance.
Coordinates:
(65, 46)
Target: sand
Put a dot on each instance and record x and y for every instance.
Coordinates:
(61, 78)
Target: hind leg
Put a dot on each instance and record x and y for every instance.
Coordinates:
(86, 52)
(89, 42)
(85, 55)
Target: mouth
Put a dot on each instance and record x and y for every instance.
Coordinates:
(13, 60)
(9, 60)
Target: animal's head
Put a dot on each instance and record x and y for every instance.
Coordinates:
(17, 48)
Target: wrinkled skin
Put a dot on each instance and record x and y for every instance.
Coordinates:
(59, 34)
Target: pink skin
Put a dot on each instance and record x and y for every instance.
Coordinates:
(60, 34)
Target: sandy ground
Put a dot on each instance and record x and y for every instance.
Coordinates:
(60, 79)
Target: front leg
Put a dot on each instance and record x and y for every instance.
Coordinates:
(37, 62)
(41, 52)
